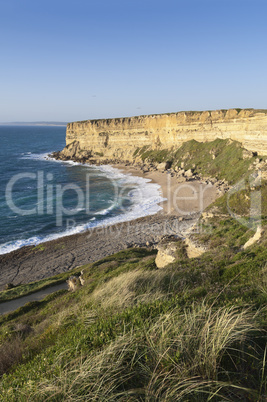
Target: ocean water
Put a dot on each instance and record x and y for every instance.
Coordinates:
(42, 199)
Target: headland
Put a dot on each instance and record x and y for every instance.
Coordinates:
(194, 173)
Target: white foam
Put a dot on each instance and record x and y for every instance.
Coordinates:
(29, 155)
(106, 211)
(145, 198)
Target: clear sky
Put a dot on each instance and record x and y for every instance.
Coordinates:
(75, 60)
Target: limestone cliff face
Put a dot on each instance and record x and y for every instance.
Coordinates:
(118, 138)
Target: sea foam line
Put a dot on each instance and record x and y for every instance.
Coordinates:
(149, 193)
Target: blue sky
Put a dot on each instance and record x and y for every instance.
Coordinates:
(76, 60)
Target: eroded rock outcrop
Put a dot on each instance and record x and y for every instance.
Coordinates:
(254, 238)
(169, 250)
(194, 250)
(167, 253)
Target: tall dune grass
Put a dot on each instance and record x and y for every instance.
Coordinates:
(135, 287)
(190, 355)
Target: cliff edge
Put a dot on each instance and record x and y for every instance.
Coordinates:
(118, 138)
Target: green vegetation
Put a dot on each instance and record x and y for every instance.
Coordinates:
(239, 202)
(40, 247)
(32, 287)
(60, 246)
(193, 331)
(222, 159)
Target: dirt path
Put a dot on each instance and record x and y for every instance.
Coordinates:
(12, 305)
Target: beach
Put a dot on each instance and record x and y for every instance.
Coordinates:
(182, 205)
(181, 198)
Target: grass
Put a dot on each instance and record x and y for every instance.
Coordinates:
(39, 247)
(193, 331)
(29, 288)
(186, 367)
(210, 159)
(239, 202)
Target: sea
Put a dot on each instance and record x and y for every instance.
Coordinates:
(42, 199)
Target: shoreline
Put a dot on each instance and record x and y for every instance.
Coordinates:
(32, 263)
(181, 198)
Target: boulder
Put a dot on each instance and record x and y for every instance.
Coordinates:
(167, 253)
(164, 165)
(189, 173)
(193, 250)
(181, 179)
(253, 239)
(247, 154)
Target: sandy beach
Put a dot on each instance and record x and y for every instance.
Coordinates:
(180, 198)
(180, 210)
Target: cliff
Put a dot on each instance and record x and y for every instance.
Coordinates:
(118, 138)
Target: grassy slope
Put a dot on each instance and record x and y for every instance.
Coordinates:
(219, 158)
(189, 332)
(124, 299)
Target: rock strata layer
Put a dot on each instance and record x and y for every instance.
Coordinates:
(118, 138)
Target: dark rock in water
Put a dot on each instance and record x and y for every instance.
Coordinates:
(55, 155)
